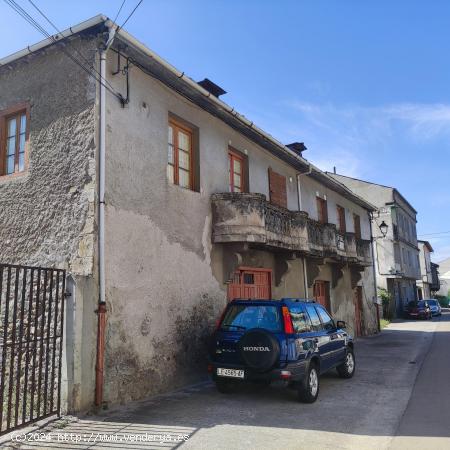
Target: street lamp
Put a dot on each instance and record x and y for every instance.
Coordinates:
(383, 228)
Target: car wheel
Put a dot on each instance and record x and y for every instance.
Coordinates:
(309, 388)
(225, 386)
(347, 368)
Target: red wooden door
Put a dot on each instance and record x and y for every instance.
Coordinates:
(249, 283)
(322, 293)
(358, 310)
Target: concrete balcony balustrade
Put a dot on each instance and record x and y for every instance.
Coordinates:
(250, 218)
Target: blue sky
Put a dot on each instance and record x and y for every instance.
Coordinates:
(365, 84)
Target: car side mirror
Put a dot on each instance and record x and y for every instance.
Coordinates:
(341, 324)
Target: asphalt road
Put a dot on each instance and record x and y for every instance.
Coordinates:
(398, 399)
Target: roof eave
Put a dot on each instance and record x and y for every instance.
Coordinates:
(53, 39)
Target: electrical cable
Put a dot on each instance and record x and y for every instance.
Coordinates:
(434, 234)
(26, 16)
(86, 61)
(132, 12)
(118, 12)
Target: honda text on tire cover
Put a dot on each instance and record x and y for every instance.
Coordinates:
(290, 341)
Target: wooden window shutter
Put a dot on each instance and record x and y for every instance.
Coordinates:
(341, 219)
(322, 210)
(277, 189)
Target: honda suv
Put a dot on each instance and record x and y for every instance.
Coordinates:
(293, 340)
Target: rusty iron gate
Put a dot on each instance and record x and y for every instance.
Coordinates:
(31, 337)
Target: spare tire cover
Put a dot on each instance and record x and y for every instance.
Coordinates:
(259, 349)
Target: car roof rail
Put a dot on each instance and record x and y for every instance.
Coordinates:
(298, 300)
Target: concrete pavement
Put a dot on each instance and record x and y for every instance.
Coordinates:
(374, 410)
(426, 420)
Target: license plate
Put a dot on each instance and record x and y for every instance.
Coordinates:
(233, 373)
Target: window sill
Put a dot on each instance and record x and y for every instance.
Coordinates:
(179, 188)
(13, 176)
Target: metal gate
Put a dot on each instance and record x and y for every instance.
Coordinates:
(31, 336)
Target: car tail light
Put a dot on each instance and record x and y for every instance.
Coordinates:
(210, 368)
(287, 321)
(219, 321)
(285, 374)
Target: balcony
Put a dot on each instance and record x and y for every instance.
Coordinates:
(250, 218)
(364, 251)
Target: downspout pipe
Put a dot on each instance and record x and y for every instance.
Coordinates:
(300, 208)
(101, 311)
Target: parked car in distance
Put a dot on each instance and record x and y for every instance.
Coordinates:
(435, 307)
(418, 310)
(290, 340)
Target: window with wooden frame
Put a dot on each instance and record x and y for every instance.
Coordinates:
(357, 225)
(322, 210)
(13, 139)
(341, 219)
(180, 155)
(236, 165)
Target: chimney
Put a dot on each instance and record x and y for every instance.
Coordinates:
(211, 87)
(297, 147)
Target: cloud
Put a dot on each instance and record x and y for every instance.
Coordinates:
(348, 135)
(424, 121)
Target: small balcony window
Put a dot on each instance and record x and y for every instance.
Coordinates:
(236, 172)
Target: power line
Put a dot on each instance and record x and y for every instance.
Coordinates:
(44, 16)
(132, 12)
(118, 12)
(86, 61)
(35, 24)
(434, 234)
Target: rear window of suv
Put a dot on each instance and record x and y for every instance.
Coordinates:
(244, 317)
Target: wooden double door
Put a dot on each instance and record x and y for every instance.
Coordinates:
(251, 283)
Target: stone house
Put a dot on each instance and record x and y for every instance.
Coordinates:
(425, 281)
(163, 203)
(396, 250)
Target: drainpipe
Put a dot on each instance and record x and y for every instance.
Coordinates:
(374, 256)
(101, 311)
(300, 207)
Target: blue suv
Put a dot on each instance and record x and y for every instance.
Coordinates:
(293, 340)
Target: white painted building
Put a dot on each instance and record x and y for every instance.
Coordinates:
(396, 250)
(425, 281)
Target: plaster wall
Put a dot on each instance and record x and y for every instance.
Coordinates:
(310, 189)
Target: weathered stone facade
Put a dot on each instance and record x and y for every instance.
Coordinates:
(48, 213)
